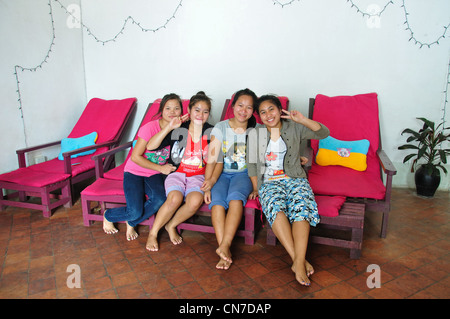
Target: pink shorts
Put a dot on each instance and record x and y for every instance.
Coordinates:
(184, 184)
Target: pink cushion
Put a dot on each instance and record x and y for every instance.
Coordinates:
(253, 203)
(335, 180)
(112, 114)
(115, 173)
(348, 118)
(28, 177)
(79, 165)
(229, 113)
(105, 187)
(329, 205)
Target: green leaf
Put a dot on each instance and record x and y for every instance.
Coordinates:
(408, 157)
(408, 147)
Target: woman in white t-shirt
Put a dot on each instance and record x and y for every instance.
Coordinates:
(144, 173)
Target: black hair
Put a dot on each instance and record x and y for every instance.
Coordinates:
(165, 99)
(252, 120)
(268, 97)
(200, 97)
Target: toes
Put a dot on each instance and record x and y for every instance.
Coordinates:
(223, 264)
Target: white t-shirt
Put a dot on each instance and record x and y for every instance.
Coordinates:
(275, 153)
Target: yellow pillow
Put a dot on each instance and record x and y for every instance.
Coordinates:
(351, 154)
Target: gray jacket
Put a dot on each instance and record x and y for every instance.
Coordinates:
(293, 135)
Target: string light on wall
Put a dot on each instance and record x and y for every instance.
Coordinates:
(444, 109)
(34, 69)
(408, 28)
(368, 14)
(275, 2)
(130, 20)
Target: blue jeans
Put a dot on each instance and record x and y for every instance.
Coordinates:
(138, 208)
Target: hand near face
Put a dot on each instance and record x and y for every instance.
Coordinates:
(177, 121)
(293, 115)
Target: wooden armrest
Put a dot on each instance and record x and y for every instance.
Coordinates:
(36, 147)
(386, 163)
(99, 171)
(87, 148)
(67, 155)
(21, 152)
(112, 151)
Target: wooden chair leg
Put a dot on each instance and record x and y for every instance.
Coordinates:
(45, 198)
(384, 224)
(249, 215)
(271, 239)
(86, 208)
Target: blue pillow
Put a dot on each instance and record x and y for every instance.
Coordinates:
(351, 154)
(69, 144)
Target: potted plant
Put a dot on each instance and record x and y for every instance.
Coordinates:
(430, 154)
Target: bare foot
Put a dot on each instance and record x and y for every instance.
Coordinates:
(108, 227)
(173, 234)
(224, 253)
(152, 242)
(223, 264)
(131, 233)
(309, 268)
(303, 270)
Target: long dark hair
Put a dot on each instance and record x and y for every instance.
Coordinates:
(164, 100)
(252, 120)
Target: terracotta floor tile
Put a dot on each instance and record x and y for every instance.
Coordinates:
(255, 270)
(131, 291)
(189, 290)
(124, 279)
(414, 260)
(179, 278)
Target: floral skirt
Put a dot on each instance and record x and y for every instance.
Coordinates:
(292, 196)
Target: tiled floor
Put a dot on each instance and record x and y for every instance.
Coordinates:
(35, 253)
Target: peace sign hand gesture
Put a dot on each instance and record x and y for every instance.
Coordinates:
(294, 115)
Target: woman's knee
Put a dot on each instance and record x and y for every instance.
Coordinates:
(194, 200)
(174, 199)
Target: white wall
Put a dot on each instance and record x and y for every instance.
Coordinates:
(298, 50)
(53, 96)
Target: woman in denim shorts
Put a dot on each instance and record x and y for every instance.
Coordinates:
(228, 168)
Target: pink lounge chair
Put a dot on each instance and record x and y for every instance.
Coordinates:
(252, 206)
(107, 189)
(108, 118)
(343, 193)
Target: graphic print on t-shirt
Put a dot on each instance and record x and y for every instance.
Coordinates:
(274, 160)
(193, 157)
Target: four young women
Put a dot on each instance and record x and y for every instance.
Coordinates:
(241, 162)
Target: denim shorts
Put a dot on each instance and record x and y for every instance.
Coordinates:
(184, 184)
(292, 196)
(231, 186)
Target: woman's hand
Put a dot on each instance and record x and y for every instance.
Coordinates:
(207, 185)
(167, 169)
(177, 121)
(253, 195)
(303, 160)
(293, 115)
(207, 197)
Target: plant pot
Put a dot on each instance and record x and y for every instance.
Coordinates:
(427, 180)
